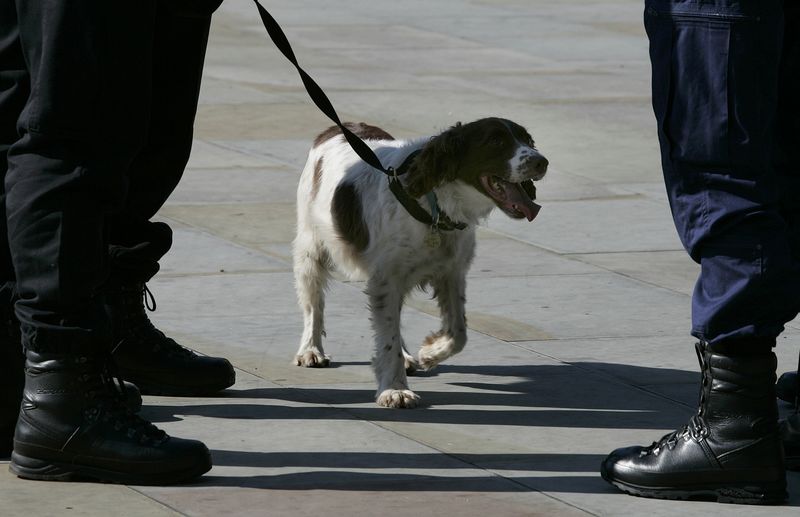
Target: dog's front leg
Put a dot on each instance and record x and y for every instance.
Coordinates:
(311, 272)
(386, 302)
(450, 292)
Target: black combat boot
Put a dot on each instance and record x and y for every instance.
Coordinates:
(72, 425)
(12, 379)
(790, 432)
(790, 427)
(788, 387)
(154, 362)
(729, 451)
(127, 392)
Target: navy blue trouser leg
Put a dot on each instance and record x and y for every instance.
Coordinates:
(717, 71)
(787, 135)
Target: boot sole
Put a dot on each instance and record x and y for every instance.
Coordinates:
(44, 470)
(165, 390)
(742, 494)
(147, 387)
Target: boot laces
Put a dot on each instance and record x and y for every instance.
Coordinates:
(144, 331)
(108, 393)
(697, 428)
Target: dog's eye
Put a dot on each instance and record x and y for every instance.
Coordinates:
(497, 141)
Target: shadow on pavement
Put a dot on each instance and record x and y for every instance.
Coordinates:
(397, 460)
(550, 395)
(578, 395)
(368, 481)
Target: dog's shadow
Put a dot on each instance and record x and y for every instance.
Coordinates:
(565, 396)
(412, 472)
(591, 395)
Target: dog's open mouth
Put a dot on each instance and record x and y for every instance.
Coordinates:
(515, 199)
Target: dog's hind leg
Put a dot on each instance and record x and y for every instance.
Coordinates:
(311, 274)
(410, 362)
(386, 301)
(450, 293)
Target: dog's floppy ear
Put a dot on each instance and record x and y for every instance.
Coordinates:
(437, 163)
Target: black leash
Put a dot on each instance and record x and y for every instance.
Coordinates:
(437, 219)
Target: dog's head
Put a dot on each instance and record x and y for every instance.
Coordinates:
(495, 156)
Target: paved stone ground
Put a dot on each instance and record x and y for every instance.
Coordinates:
(578, 322)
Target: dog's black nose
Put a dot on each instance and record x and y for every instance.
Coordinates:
(539, 164)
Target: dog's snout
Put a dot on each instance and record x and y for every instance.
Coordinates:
(540, 165)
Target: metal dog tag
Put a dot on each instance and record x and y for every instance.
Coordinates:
(433, 240)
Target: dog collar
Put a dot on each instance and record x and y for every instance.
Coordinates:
(436, 218)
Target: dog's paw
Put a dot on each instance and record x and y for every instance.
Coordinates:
(312, 359)
(411, 364)
(398, 399)
(428, 362)
(436, 348)
(431, 355)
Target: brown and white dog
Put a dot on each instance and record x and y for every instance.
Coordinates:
(349, 219)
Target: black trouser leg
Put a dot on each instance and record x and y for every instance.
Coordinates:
(85, 119)
(145, 356)
(84, 122)
(13, 95)
(180, 39)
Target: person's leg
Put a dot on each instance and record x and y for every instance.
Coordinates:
(787, 161)
(715, 76)
(83, 121)
(144, 355)
(13, 94)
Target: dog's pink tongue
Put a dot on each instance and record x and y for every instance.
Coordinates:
(518, 199)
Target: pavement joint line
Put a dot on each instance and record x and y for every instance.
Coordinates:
(134, 488)
(610, 197)
(547, 494)
(229, 147)
(541, 247)
(226, 272)
(236, 168)
(456, 457)
(577, 255)
(266, 169)
(319, 400)
(355, 284)
(242, 244)
(637, 279)
(263, 154)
